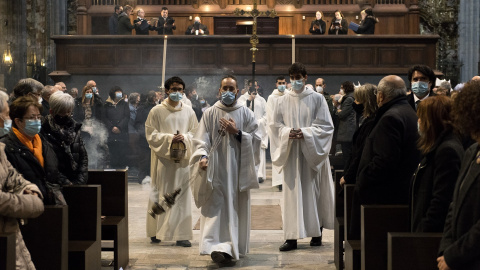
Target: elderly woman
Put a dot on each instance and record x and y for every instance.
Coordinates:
(29, 153)
(19, 199)
(5, 121)
(117, 116)
(63, 133)
(366, 103)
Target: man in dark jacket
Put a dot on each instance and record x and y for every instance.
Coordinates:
(144, 27)
(113, 21)
(143, 147)
(390, 155)
(422, 80)
(125, 27)
(197, 26)
(165, 24)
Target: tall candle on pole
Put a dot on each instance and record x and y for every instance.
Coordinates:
(293, 49)
(164, 59)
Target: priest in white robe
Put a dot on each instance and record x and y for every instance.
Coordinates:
(277, 176)
(304, 127)
(161, 127)
(225, 168)
(252, 100)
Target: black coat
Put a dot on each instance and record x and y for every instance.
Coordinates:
(390, 155)
(388, 160)
(202, 27)
(113, 24)
(367, 26)
(117, 116)
(23, 160)
(72, 156)
(124, 26)
(79, 111)
(343, 30)
(322, 27)
(461, 237)
(359, 138)
(347, 123)
(433, 184)
(411, 99)
(45, 108)
(140, 119)
(144, 28)
(166, 29)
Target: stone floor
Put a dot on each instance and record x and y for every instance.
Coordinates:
(264, 253)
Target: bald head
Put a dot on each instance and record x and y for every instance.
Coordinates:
(476, 78)
(390, 87)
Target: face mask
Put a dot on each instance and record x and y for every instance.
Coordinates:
(7, 125)
(88, 95)
(40, 100)
(281, 88)
(32, 127)
(202, 102)
(319, 89)
(62, 120)
(420, 88)
(118, 95)
(175, 96)
(94, 89)
(297, 84)
(228, 97)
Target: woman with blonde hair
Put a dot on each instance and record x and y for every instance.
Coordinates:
(366, 105)
(318, 26)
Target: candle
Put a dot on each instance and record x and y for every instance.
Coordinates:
(164, 60)
(293, 49)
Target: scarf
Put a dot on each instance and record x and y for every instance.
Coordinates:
(35, 146)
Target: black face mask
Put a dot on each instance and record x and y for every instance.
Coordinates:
(358, 108)
(62, 120)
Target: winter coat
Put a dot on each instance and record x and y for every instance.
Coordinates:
(322, 26)
(47, 178)
(116, 115)
(69, 148)
(367, 26)
(15, 205)
(341, 31)
(140, 119)
(79, 111)
(124, 26)
(347, 119)
(460, 243)
(433, 183)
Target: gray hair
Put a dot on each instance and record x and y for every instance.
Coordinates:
(446, 85)
(61, 103)
(3, 101)
(47, 90)
(392, 87)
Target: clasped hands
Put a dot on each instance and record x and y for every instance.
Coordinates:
(295, 134)
(177, 138)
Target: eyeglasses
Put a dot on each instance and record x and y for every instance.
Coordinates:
(375, 91)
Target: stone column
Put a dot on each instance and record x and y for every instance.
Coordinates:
(469, 38)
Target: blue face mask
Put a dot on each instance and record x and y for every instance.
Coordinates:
(228, 97)
(202, 102)
(88, 95)
(7, 126)
(32, 127)
(297, 84)
(175, 96)
(420, 89)
(281, 88)
(118, 95)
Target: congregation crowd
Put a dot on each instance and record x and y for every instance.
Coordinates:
(417, 147)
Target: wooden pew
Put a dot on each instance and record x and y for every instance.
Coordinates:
(413, 251)
(352, 247)
(339, 227)
(46, 238)
(7, 251)
(115, 209)
(376, 222)
(84, 245)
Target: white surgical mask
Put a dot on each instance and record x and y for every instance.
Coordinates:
(319, 89)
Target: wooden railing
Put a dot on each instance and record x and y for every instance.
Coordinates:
(391, 2)
(240, 2)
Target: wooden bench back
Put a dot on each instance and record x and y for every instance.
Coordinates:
(46, 238)
(84, 212)
(114, 190)
(376, 222)
(348, 191)
(413, 251)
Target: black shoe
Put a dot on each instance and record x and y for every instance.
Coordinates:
(221, 257)
(316, 241)
(183, 243)
(260, 180)
(289, 245)
(155, 240)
